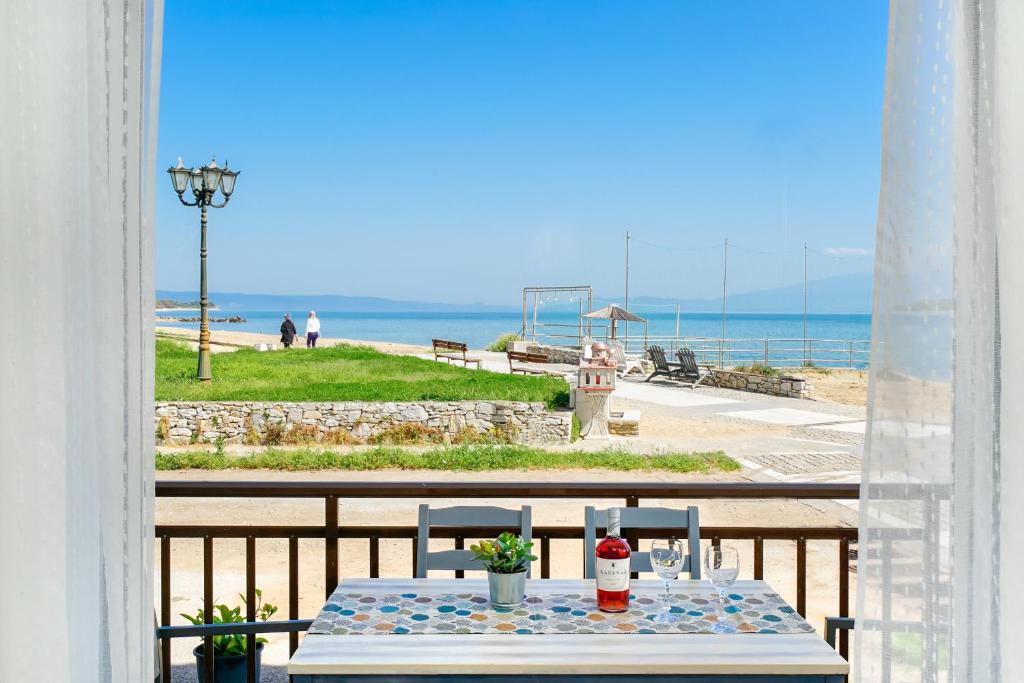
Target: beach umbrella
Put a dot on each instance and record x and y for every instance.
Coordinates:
(614, 312)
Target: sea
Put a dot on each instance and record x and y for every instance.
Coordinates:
(478, 329)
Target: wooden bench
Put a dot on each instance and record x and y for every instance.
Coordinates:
(517, 358)
(452, 350)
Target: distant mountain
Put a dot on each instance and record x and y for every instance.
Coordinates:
(228, 301)
(837, 294)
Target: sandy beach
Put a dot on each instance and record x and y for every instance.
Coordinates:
(227, 340)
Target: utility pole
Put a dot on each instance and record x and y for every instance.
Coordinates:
(805, 303)
(725, 281)
(625, 303)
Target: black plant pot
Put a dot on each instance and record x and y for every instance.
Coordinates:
(227, 669)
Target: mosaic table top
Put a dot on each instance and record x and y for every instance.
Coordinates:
(431, 606)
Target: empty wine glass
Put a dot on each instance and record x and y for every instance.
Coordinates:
(667, 561)
(722, 564)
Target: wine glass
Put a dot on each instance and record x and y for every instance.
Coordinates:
(667, 561)
(722, 564)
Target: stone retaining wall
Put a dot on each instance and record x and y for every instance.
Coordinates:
(244, 422)
(793, 387)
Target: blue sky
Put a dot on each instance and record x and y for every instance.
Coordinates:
(457, 151)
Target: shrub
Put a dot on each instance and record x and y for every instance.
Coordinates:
(408, 433)
(501, 343)
(498, 435)
(273, 434)
(301, 434)
(251, 437)
(339, 436)
(467, 436)
(758, 369)
(163, 428)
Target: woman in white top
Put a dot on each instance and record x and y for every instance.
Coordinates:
(312, 330)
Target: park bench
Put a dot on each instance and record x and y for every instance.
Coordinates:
(452, 350)
(525, 362)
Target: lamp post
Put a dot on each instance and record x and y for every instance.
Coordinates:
(205, 182)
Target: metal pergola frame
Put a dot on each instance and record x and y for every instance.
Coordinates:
(529, 325)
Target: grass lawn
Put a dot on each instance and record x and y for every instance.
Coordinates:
(339, 373)
(450, 458)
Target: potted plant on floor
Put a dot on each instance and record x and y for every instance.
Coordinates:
(229, 651)
(506, 559)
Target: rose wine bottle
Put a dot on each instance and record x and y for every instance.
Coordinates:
(613, 568)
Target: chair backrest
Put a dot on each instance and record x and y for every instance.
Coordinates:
(687, 361)
(657, 355)
(618, 352)
(585, 343)
(473, 516)
(641, 520)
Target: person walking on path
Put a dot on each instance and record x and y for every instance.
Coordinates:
(288, 331)
(312, 330)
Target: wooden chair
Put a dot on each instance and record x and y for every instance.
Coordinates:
(661, 364)
(642, 520)
(473, 516)
(691, 370)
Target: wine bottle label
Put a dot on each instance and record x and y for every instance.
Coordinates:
(613, 575)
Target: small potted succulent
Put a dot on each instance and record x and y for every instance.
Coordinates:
(506, 559)
(229, 651)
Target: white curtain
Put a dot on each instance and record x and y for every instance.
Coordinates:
(78, 84)
(943, 498)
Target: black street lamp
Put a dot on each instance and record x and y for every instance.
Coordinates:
(205, 183)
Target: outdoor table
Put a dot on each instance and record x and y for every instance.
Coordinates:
(406, 630)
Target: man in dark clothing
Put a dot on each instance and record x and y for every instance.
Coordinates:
(287, 331)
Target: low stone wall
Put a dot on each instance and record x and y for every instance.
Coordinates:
(793, 387)
(201, 422)
(625, 423)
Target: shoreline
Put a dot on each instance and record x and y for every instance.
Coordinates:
(232, 339)
(183, 310)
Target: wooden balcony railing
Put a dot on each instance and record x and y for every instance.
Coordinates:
(632, 494)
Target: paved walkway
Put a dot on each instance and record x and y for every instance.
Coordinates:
(776, 438)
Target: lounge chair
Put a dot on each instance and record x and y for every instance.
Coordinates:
(693, 371)
(661, 364)
(623, 362)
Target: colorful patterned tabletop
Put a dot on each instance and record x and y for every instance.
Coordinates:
(439, 606)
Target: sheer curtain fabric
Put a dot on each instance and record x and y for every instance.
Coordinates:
(77, 111)
(941, 511)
